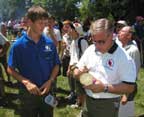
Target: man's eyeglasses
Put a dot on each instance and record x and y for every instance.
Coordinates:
(100, 42)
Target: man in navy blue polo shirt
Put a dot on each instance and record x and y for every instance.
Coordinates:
(34, 62)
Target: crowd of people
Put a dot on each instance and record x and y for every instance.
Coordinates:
(43, 48)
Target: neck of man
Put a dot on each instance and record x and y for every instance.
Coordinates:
(34, 36)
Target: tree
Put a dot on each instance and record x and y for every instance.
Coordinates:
(62, 9)
(11, 9)
(114, 9)
(126, 9)
(95, 8)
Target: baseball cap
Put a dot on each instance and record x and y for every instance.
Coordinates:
(122, 22)
(78, 28)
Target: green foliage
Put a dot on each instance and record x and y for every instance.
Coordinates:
(60, 7)
(68, 9)
(43, 3)
(139, 101)
(96, 9)
(84, 10)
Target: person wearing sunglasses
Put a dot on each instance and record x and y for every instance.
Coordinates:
(112, 69)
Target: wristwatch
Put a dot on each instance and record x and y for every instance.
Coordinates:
(106, 88)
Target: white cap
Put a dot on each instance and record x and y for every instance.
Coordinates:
(123, 22)
(79, 28)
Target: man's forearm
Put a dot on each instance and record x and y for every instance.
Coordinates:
(121, 88)
(54, 72)
(16, 75)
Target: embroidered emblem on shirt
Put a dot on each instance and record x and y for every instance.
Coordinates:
(47, 48)
(110, 63)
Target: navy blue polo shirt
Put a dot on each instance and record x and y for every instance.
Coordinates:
(34, 61)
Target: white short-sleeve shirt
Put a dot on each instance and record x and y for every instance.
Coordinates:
(111, 68)
(75, 50)
(56, 33)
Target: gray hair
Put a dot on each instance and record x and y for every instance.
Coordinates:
(101, 25)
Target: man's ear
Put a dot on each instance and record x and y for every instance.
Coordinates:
(29, 22)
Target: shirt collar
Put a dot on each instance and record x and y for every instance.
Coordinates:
(31, 41)
(113, 48)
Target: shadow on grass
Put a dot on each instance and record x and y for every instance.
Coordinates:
(11, 100)
(63, 91)
(63, 101)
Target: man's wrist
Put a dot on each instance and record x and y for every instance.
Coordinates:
(106, 88)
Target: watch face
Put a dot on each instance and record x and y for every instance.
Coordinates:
(86, 79)
(106, 89)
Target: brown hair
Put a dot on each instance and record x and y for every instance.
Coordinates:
(36, 12)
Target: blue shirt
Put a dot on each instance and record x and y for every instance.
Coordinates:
(34, 61)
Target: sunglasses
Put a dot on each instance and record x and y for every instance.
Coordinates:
(99, 42)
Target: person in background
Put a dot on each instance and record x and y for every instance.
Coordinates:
(3, 52)
(127, 101)
(34, 62)
(66, 42)
(138, 27)
(77, 48)
(119, 24)
(68, 35)
(53, 33)
(86, 24)
(5, 44)
(112, 69)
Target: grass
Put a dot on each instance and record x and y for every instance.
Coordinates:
(64, 110)
(139, 99)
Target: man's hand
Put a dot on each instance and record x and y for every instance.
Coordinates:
(31, 87)
(79, 71)
(68, 72)
(97, 87)
(124, 100)
(84, 69)
(45, 87)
